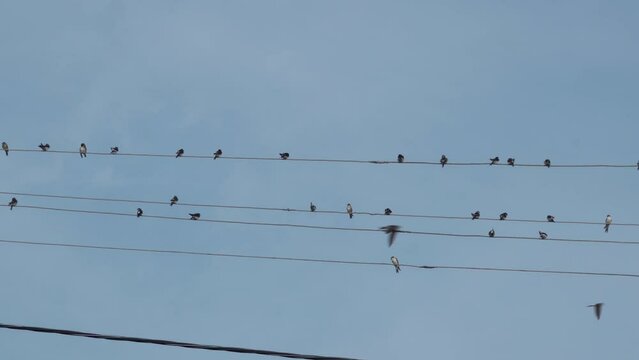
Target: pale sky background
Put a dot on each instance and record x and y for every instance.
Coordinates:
(330, 79)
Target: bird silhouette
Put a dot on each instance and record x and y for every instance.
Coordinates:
(597, 307)
(217, 154)
(139, 213)
(179, 153)
(174, 200)
(475, 215)
(547, 163)
(395, 262)
(443, 160)
(494, 160)
(503, 216)
(388, 211)
(491, 233)
(5, 147)
(13, 203)
(608, 222)
(511, 161)
(349, 210)
(194, 216)
(44, 147)
(284, 156)
(392, 231)
(550, 218)
(400, 158)
(313, 207)
(83, 150)
(543, 235)
(114, 150)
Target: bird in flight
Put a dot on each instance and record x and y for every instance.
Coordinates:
(388, 211)
(494, 160)
(503, 216)
(284, 156)
(491, 233)
(395, 262)
(217, 154)
(349, 210)
(83, 150)
(179, 153)
(194, 216)
(608, 222)
(13, 203)
(547, 163)
(475, 215)
(139, 213)
(400, 158)
(392, 231)
(5, 147)
(543, 235)
(511, 161)
(597, 307)
(550, 218)
(44, 147)
(174, 200)
(313, 207)
(114, 150)
(443, 160)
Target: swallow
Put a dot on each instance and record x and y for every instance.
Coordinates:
(44, 147)
(392, 231)
(313, 207)
(395, 264)
(543, 235)
(503, 216)
(5, 147)
(400, 158)
(550, 218)
(284, 156)
(388, 211)
(597, 307)
(217, 154)
(547, 163)
(511, 161)
(114, 150)
(443, 160)
(608, 222)
(475, 215)
(349, 210)
(194, 216)
(13, 203)
(179, 153)
(491, 233)
(174, 200)
(139, 213)
(83, 150)
(494, 160)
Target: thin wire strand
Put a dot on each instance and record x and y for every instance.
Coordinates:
(187, 345)
(293, 159)
(314, 260)
(337, 212)
(336, 228)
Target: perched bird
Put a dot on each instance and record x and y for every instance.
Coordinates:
(494, 160)
(114, 150)
(349, 210)
(443, 160)
(392, 231)
(491, 233)
(388, 211)
(13, 203)
(44, 147)
(179, 153)
(597, 307)
(83, 150)
(313, 207)
(503, 216)
(140, 212)
(547, 163)
(194, 216)
(400, 158)
(608, 222)
(217, 154)
(475, 215)
(511, 161)
(174, 200)
(550, 218)
(5, 147)
(395, 263)
(543, 235)
(284, 156)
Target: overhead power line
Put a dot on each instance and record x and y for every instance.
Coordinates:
(325, 160)
(319, 227)
(315, 260)
(336, 212)
(169, 343)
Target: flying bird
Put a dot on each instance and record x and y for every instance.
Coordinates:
(349, 210)
(13, 203)
(392, 231)
(174, 200)
(217, 154)
(511, 161)
(494, 160)
(543, 235)
(284, 156)
(194, 216)
(139, 213)
(491, 233)
(313, 207)
(179, 153)
(114, 150)
(388, 211)
(475, 215)
(547, 163)
(443, 160)
(44, 147)
(83, 150)
(400, 158)
(395, 264)
(597, 307)
(608, 222)
(550, 218)
(5, 147)
(503, 216)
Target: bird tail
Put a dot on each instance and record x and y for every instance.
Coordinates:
(397, 269)
(350, 216)
(606, 227)
(6, 152)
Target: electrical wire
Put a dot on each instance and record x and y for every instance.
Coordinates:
(293, 159)
(335, 228)
(187, 345)
(313, 260)
(264, 208)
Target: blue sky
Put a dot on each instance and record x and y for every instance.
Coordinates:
(331, 79)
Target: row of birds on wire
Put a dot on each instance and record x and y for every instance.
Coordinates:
(83, 151)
